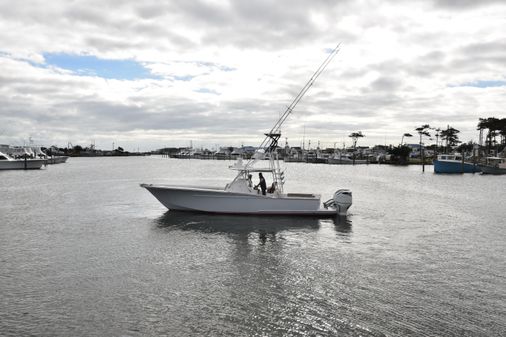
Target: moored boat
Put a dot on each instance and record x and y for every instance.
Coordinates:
(453, 163)
(9, 163)
(344, 159)
(34, 152)
(57, 159)
(494, 165)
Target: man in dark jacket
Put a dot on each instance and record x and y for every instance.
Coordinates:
(262, 183)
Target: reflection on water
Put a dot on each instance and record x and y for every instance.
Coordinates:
(234, 223)
(267, 227)
(276, 270)
(342, 224)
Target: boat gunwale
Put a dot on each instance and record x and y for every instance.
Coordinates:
(291, 196)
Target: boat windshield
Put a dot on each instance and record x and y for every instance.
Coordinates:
(449, 157)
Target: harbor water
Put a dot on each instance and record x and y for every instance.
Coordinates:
(85, 251)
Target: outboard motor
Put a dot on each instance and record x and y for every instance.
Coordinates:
(342, 201)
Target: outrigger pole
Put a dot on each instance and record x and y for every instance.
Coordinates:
(275, 132)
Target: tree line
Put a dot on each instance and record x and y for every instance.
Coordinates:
(495, 127)
(447, 139)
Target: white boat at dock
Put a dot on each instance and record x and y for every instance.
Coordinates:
(240, 197)
(34, 152)
(50, 159)
(57, 159)
(345, 159)
(9, 163)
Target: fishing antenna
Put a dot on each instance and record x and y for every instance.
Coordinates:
(275, 132)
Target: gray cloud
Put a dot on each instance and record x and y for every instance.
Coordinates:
(396, 69)
(465, 4)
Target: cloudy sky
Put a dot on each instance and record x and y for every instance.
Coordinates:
(148, 74)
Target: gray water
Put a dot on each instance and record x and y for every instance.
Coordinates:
(84, 251)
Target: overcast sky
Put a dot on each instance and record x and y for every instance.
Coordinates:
(143, 74)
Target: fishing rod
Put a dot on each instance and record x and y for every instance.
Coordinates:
(303, 91)
(275, 132)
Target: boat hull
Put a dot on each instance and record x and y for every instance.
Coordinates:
(487, 169)
(30, 164)
(293, 160)
(219, 201)
(343, 161)
(57, 160)
(454, 166)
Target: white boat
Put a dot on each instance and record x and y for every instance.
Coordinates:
(345, 159)
(57, 159)
(240, 197)
(20, 152)
(50, 159)
(9, 163)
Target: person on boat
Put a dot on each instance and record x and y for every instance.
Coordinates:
(262, 184)
(272, 188)
(250, 182)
